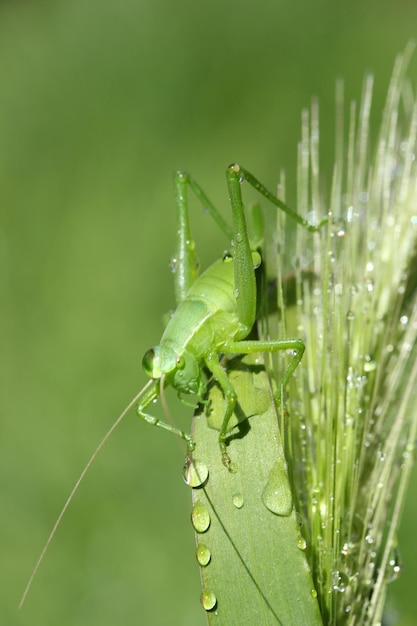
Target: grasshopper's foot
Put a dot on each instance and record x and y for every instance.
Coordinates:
(226, 460)
(190, 444)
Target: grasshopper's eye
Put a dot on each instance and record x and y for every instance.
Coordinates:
(151, 363)
(180, 362)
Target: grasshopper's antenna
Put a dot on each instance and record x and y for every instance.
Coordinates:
(77, 484)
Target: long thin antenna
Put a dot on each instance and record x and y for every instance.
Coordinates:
(77, 484)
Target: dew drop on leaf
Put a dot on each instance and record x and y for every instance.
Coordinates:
(200, 517)
(203, 555)
(208, 600)
(237, 500)
(277, 495)
(195, 473)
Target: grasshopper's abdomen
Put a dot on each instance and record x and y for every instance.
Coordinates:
(216, 287)
(207, 317)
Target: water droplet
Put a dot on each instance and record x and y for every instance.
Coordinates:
(394, 565)
(348, 548)
(369, 365)
(313, 593)
(301, 543)
(173, 262)
(339, 227)
(208, 600)
(369, 284)
(239, 237)
(277, 495)
(227, 257)
(350, 316)
(236, 293)
(340, 582)
(203, 555)
(195, 473)
(300, 521)
(200, 517)
(237, 500)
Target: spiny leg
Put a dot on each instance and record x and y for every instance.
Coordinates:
(245, 283)
(152, 394)
(209, 206)
(296, 346)
(230, 396)
(250, 347)
(186, 259)
(186, 264)
(256, 184)
(244, 273)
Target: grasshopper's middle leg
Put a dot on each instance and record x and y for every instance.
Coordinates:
(249, 347)
(212, 362)
(296, 346)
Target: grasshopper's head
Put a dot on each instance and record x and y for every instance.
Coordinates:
(182, 371)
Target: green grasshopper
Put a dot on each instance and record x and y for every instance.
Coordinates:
(215, 311)
(215, 314)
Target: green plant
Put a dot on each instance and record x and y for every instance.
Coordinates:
(348, 423)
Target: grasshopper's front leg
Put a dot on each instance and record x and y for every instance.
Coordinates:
(149, 398)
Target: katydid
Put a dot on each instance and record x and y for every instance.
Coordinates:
(215, 314)
(215, 311)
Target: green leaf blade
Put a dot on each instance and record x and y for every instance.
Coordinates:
(257, 571)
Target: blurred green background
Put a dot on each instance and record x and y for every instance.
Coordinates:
(100, 102)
